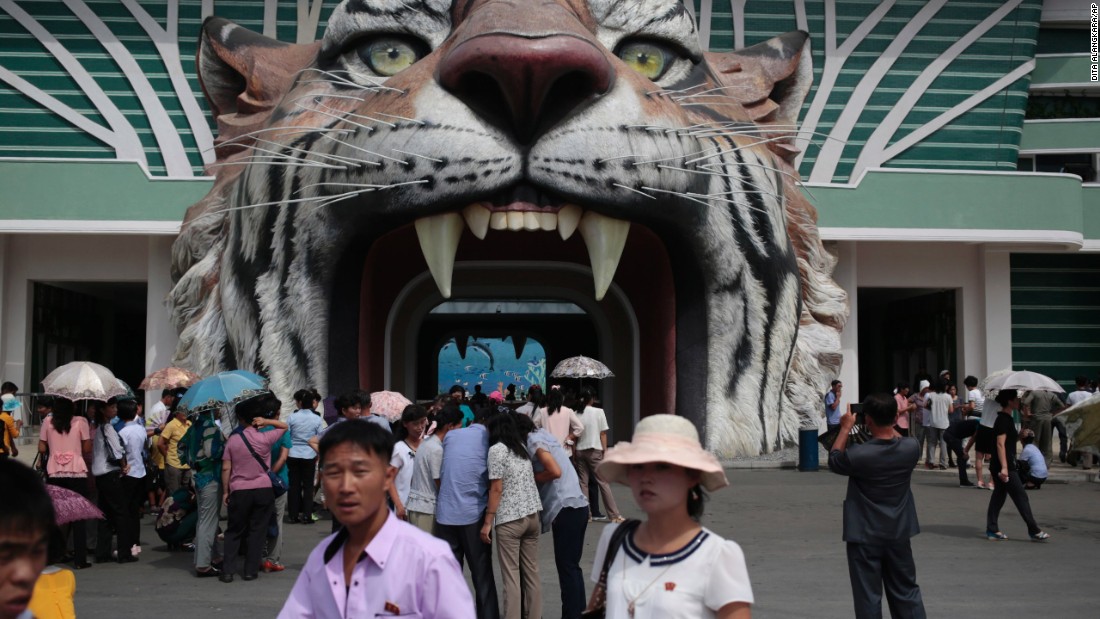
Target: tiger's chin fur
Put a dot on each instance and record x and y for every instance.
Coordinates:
(516, 108)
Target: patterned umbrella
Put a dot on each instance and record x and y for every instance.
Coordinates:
(69, 506)
(222, 388)
(169, 378)
(83, 380)
(581, 367)
(1022, 381)
(389, 404)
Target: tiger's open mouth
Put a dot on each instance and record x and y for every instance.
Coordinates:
(523, 207)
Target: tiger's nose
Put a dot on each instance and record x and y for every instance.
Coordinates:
(529, 83)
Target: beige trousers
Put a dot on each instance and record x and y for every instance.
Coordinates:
(518, 555)
(421, 520)
(586, 462)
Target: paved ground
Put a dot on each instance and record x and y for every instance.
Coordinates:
(789, 526)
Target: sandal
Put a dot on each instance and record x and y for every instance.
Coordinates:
(618, 519)
(995, 536)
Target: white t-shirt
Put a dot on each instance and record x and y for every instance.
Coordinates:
(691, 583)
(975, 396)
(157, 415)
(402, 460)
(595, 421)
(1077, 396)
(941, 406)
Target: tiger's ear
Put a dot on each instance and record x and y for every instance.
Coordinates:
(769, 79)
(244, 75)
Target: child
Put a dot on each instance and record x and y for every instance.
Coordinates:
(406, 571)
(1033, 466)
(26, 515)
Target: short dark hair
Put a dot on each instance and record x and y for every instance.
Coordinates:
(1005, 396)
(345, 402)
(1027, 436)
(368, 436)
(361, 396)
(970, 382)
(413, 412)
(448, 416)
(45, 401)
(127, 410)
(1081, 380)
(259, 406)
(167, 392)
(881, 409)
(26, 505)
(8, 387)
(456, 389)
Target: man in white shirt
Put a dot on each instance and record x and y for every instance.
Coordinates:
(1082, 392)
(590, 448)
(133, 481)
(158, 415)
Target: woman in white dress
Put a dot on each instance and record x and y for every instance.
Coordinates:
(669, 566)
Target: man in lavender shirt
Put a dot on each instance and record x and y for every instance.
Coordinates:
(375, 565)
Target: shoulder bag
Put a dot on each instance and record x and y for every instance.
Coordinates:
(278, 486)
(597, 604)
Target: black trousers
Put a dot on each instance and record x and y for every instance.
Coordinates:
(79, 530)
(112, 501)
(249, 514)
(955, 444)
(465, 541)
(299, 497)
(1013, 488)
(873, 567)
(133, 491)
(568, 530)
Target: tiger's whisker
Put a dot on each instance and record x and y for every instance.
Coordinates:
(293, 131)
(405, 152)
(369, 152)
(282, 163)
(332, 109)
(634, 190)
(412, 120)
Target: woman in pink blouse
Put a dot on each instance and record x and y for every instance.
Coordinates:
(64, 441)
(559, 420)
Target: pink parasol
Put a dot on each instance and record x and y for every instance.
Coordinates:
(169, 378)
(389, 404)
(69, 506)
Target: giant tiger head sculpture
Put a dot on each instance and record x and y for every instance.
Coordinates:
(569, 121)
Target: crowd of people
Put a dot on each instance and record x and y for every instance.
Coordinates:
(410, 501)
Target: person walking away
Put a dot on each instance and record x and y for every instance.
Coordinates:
(1039, 410)
(880, 515)
(905, 409)
(512, 517)
(1006, 479)
(249, 495)
(940, 407)
(1032, 463)
(668, 566)
(953, 436)
(591, 447)
(414, 420)
(564, 511)
(559, 420)
(460, 508)
(375, 565)
(304, 424)
(533, 403)
(26, 518)
(176, 474)
(832, 405)
(133, 436)
(108, 466)
(458, 396)
(427, 469)
(203, 448)
(65, 438)
(280, 452)
(8, 427)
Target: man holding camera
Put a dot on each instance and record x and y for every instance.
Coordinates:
(880, 515)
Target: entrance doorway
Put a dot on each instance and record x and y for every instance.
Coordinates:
(903, 333)
(103, 322)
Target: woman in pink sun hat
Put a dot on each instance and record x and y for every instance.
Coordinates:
(668, 566)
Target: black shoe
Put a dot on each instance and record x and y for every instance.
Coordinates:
(130, 559)
(247, 577)
(226, 578)
(966, 484)
(209, 572)
(308, 521)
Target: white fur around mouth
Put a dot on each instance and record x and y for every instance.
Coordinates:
(605, 237)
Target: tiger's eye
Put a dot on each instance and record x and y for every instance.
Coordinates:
(650, 60)
(388, 55)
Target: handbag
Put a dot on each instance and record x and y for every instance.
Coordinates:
(597, 604)
(278, 486)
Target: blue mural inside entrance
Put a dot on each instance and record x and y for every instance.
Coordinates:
(493, 364)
